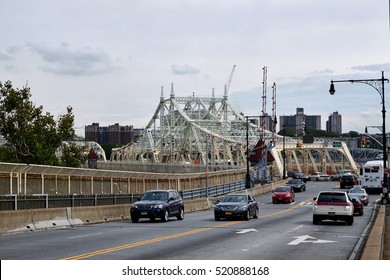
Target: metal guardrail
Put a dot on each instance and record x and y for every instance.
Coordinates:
(21, 202)
(213, 191)
(39, 201)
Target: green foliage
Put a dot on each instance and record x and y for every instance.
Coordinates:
(31, 135)
(107, 147)
(351, 134)
(73, 155)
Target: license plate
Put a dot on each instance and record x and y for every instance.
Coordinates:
(331, 213)
(144, 213)
(228, 213)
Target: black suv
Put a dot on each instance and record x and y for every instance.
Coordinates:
(348, 180)
(160, 204)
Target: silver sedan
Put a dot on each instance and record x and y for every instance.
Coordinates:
(319, 176)
(359, 193)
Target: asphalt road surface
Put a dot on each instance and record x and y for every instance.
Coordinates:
(282, 232)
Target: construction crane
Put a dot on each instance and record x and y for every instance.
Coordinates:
(229, 81)
(264, 99)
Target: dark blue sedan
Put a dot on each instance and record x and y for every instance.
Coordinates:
(236, 206)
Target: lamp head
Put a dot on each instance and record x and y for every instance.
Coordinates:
(332, 90)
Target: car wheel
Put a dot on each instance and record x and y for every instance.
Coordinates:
(349, 221)
(316, 220)
(256, 213)
(247, 216)
(361, 213)
(152, 219)
(217, 218)
(181, 214)
(134, 219)
(165, 217)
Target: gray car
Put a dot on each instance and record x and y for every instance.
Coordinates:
(359, 193)
(236, 206)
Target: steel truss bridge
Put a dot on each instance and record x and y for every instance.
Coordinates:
(208, 131)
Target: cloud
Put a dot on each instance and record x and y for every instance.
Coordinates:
(373, 67)
(73, 62)
(4, 56)
(184, 70)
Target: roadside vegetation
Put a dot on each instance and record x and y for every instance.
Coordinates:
(32, 135)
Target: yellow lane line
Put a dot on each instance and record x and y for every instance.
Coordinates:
(150, 241)
(295, 206)
(168, 237)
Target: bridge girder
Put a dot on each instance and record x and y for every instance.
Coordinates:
(200, 130)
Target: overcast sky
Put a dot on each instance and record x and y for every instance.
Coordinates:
(109, 59)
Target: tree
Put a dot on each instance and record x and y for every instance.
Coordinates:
(31, 135)
(72, 154)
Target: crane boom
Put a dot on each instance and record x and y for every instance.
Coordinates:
(227, 85)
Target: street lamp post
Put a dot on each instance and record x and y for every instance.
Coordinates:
(379, 86)
(247, 176)
(284, 152)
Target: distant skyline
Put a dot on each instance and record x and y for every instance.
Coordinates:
(108, 60)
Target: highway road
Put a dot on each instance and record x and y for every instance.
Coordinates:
(282, 232)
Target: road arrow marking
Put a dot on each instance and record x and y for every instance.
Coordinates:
(242, 231)
(308, 239)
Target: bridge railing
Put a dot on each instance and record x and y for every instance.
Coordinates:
(38, 201)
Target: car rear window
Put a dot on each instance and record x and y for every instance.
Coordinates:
(332, 197)
(282, 189)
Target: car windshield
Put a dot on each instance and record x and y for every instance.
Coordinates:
(234, 198)
(155, 196)
(332, 197)
(282, 189)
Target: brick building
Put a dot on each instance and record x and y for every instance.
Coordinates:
(113, 134)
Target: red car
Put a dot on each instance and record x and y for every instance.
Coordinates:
(357, 206)
(284, 194)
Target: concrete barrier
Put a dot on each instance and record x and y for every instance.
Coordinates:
(373, 249)
(13, 221)
(49, 218)
(114, 212)
(196, 204)
(87, 214)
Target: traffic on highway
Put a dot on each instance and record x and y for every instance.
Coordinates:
(281, 231)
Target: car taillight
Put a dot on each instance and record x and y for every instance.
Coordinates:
(341, 203)
(332, 203)
(322, 203)
(364, 196)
